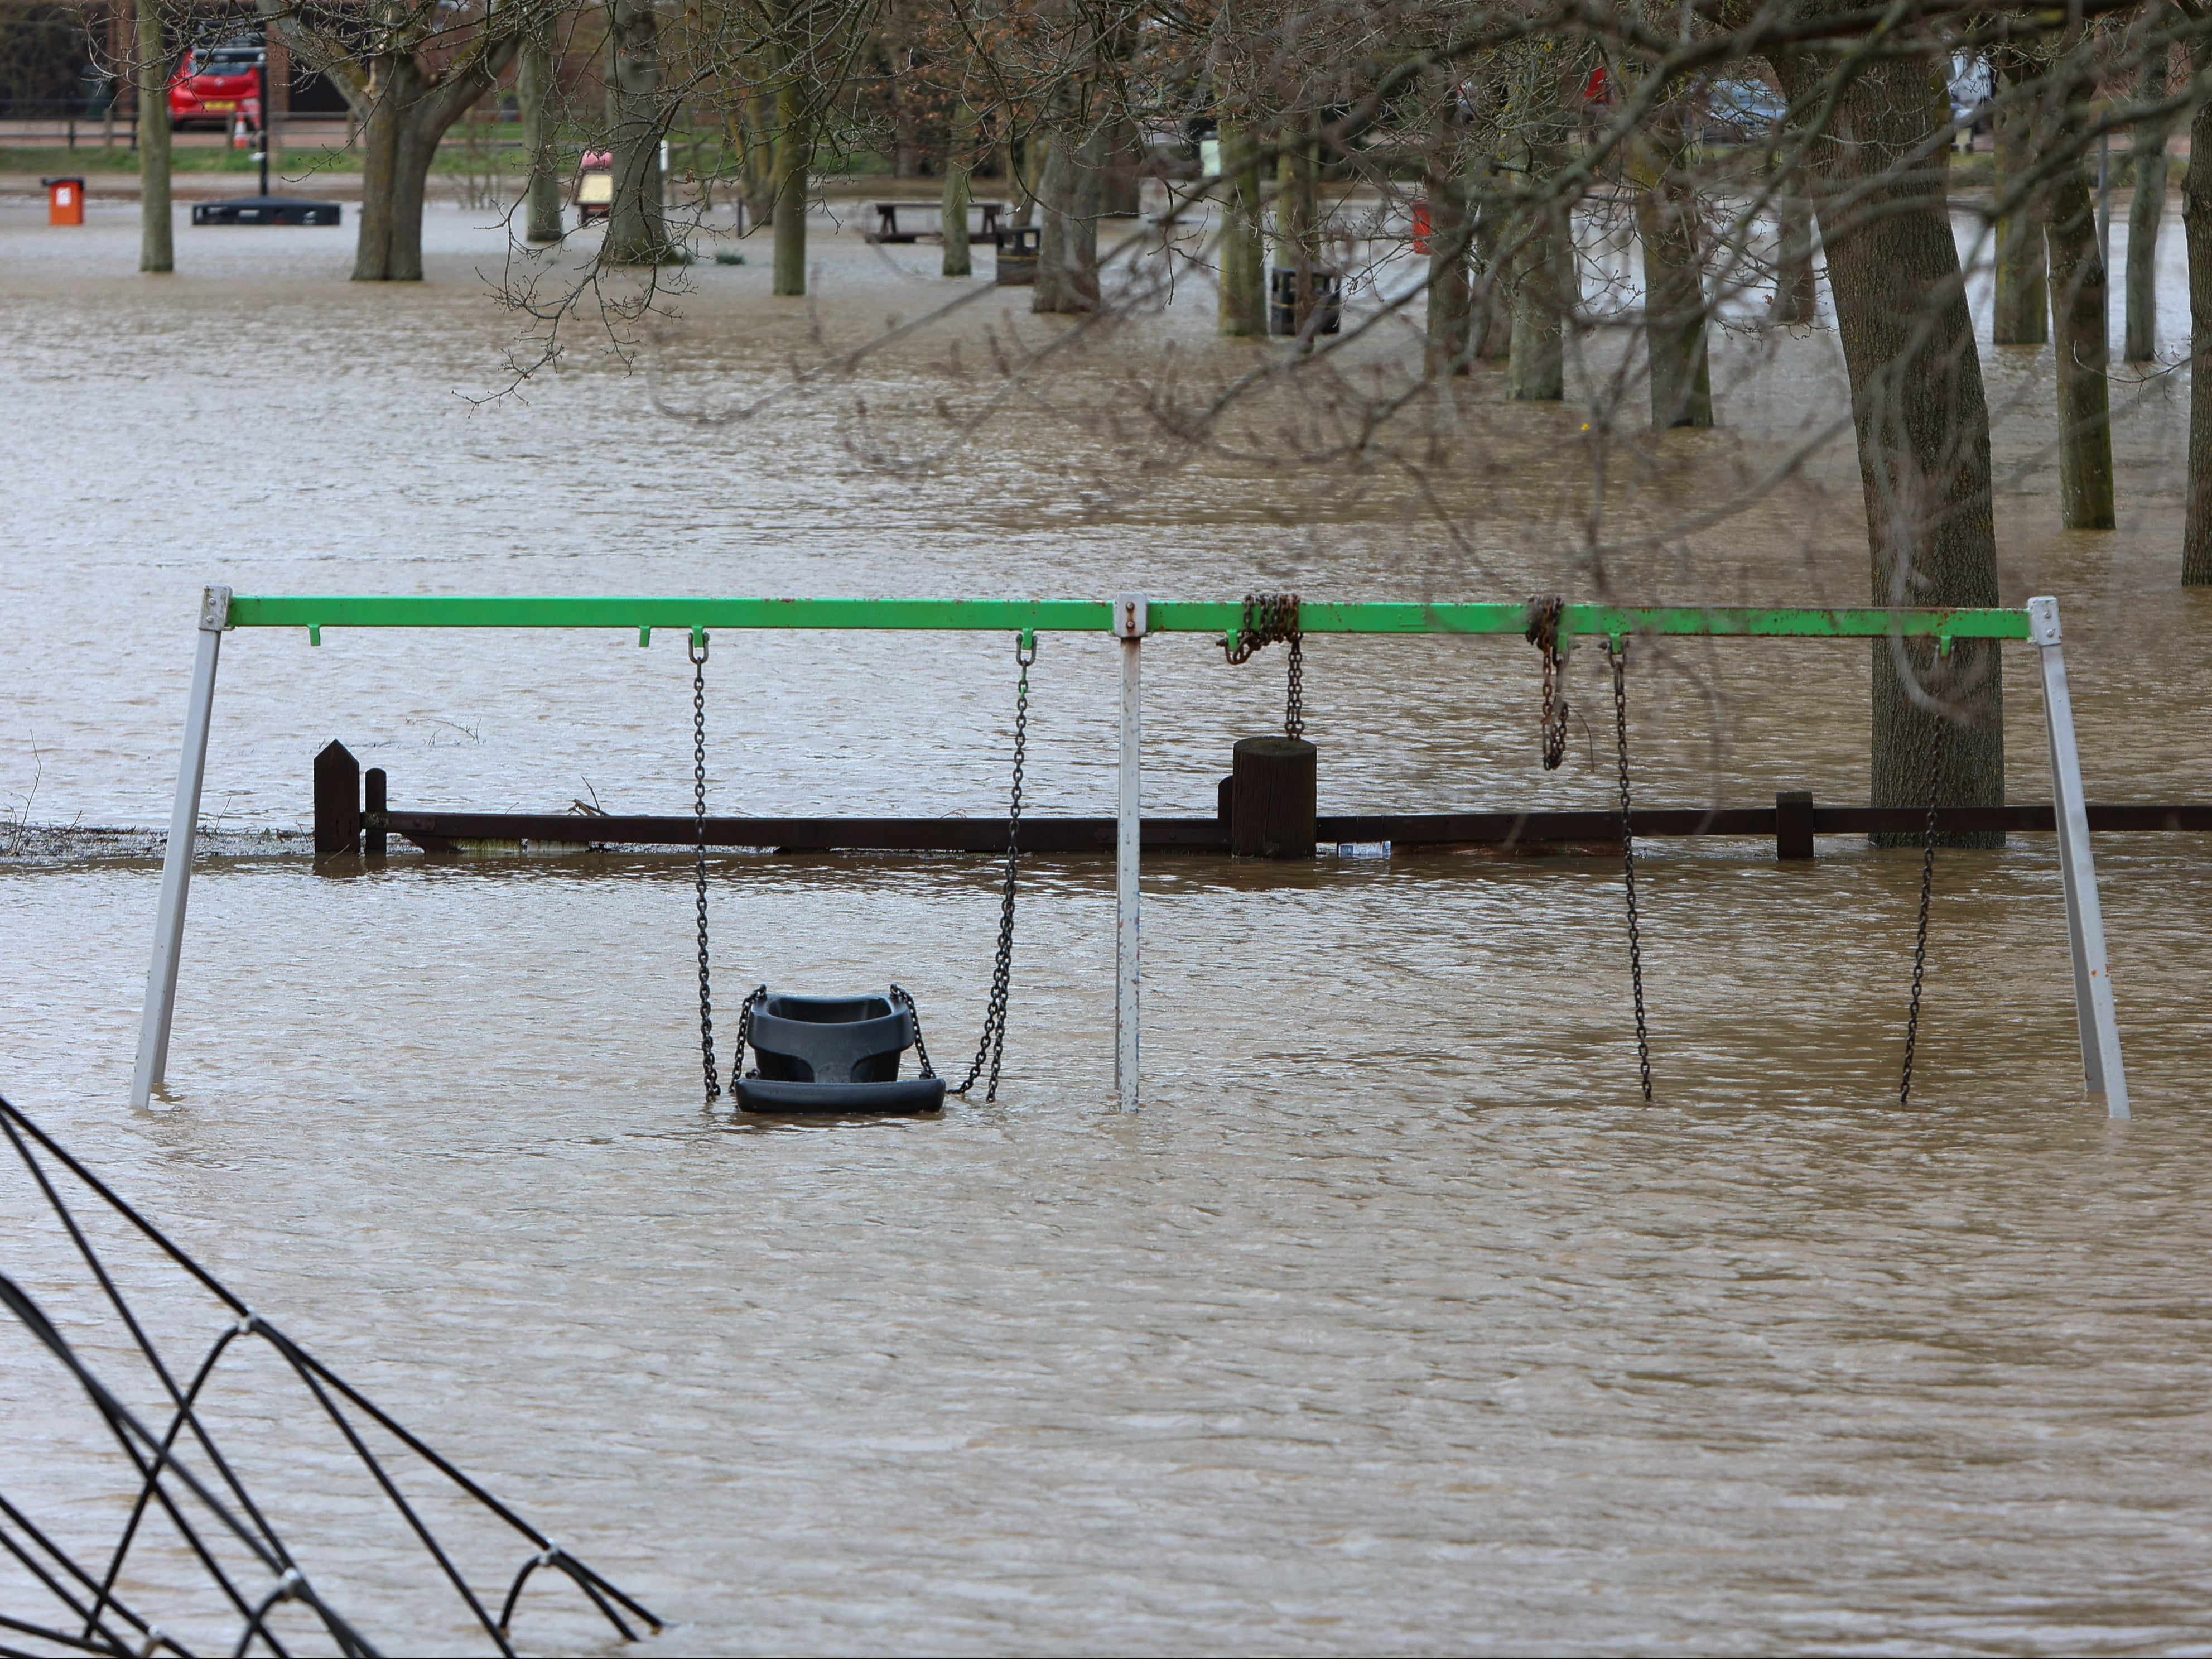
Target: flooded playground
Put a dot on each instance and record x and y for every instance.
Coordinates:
(1393, 1322)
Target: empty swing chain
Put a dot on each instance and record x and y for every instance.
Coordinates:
(992, 1045)
(994, 1040)
(1544, 634)
(696, 649)
(1270, 618)
(1927, 886)
(1616, 651)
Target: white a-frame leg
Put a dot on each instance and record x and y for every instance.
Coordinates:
(177, 860)
(1130, 622)
(2085, 919)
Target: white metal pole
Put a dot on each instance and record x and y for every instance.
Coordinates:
(177, 858)
(1130, 620)
(2085, 920)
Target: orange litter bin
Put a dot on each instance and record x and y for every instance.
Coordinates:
(65, 201)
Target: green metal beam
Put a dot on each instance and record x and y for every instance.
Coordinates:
(1075, 615)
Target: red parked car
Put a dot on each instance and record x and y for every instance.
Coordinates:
(214, 88)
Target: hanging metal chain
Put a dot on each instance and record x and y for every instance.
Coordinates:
(1927, 886)
(1544, 634)
(904, 998)
(696, 649)
(1616, 651)
(991, 1046)
(1269, 619)
(746, 1032)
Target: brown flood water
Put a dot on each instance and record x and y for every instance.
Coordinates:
(1391, 1323)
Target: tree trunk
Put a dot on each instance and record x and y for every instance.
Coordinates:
(952, 212)
(1543, 284)
(1243, 292)
(1068, 201)
(1119, 194)
(1025, 168)
(1297, 224)
(1795, 298)
(795, 154)
(1920, 416)
(757, 146)
(390, 89)
(637, 228)
(416, 149)
(2085, 428)
(1673, 284)
(2196, 225)
(2020, 314)
(2144, 214)
(156, 251)
(1451, 234)
(534, 92)
(1491, 323)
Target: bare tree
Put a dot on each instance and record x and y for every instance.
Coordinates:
(156, 251)
(410, 75)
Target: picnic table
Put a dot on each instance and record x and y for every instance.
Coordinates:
(887, 225)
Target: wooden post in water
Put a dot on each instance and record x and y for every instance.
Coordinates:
(1272, 809)
(337, 801)
(1793, 823)
(373, 820)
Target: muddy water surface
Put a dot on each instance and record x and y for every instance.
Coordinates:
(1391, 1322)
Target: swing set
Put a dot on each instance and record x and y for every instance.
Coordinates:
(1130, 619)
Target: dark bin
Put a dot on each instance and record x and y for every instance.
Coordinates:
(1019, 246)
(1283, 301)
(265, 211)
(834, 1055)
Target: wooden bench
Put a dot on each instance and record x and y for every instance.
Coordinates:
(887, 226)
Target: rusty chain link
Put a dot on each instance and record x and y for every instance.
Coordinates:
(1269, 619)
(1544, 634)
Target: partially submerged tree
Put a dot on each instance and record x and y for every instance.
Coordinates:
(535, 96)
(637, 233)
(1877, 173)
(2147, 168)
(409, 69)
(150, 72)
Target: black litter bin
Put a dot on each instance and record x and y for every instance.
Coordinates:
(1283, 302)
(264, 211)
(1018, 245)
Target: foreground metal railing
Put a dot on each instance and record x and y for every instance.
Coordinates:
(193, 1492)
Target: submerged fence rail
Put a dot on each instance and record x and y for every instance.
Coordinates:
(443, 832)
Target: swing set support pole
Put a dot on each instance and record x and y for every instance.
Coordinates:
(2085, 917)
(177, 856)
(1130, 620)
